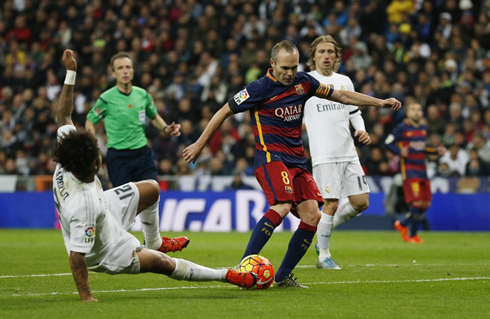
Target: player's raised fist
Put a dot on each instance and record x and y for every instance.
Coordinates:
(68, 60)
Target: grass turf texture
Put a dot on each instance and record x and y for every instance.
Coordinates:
(382, 277)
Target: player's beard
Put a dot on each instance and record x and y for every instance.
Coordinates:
(416, 120)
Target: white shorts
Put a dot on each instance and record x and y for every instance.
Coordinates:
(341, 179)
(122, 202)
(122, 258)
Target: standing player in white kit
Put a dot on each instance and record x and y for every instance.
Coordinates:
(94, 223)
(336, 167)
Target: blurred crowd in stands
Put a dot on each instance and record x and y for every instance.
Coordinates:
(194, 55)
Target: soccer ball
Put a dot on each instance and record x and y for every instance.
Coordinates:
(260, 266)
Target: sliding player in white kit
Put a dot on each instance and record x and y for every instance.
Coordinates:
(94, 222)
(336, 166)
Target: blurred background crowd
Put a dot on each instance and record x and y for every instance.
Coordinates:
(194, 55)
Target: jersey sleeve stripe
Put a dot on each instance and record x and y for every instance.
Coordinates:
(261, 136)
(103, 100)
(350, 113)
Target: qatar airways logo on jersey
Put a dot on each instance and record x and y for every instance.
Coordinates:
(417, 145)
(290, 113)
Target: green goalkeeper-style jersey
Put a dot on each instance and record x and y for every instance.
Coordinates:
(124, 116)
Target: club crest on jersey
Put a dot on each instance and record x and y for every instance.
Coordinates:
(241, 96)
(288, 189)
(327, 189)
(343, 88)
(299, 89)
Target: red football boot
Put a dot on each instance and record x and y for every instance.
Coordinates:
(173, 244)
(241, 279)
(403, 231)
(416, 240)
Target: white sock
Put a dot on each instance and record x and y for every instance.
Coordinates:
(344, 213)
(150, 222)
(323, 233)
(186, 270)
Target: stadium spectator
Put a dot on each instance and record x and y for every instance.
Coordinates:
(456, 159)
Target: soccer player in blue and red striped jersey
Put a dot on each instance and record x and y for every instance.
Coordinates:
(408, 141)
(276, 105)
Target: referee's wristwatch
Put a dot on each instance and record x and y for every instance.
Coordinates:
(165, 130)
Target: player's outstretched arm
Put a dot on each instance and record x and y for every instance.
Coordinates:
(192, 151)
(65, 103)
(80, 274)
(355, 98)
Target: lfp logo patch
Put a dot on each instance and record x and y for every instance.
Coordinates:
(90, 232)
(241, 96)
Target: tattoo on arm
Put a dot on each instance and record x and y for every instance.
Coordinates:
(65, 105)
(80, 274)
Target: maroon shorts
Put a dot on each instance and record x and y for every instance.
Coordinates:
(417, 189)
(282, 184)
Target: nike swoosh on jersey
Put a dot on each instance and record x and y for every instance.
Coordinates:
(268, 225)
(273, 98)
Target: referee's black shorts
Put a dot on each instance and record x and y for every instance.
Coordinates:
(131, 165)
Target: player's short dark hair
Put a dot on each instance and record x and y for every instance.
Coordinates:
(316, 42)
(118, 56)
(287, 45)
(76, 152)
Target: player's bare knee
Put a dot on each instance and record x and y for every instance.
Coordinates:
(282, 208)
(330, 206)
(312, 217)
(361, 205)
(154, 190)
(149, 191)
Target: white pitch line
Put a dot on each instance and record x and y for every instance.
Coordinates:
(298, 266)
(398, 281)
(399, 265)
(37, 275)
(229, 286)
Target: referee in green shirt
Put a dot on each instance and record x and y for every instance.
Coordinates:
(124, 109)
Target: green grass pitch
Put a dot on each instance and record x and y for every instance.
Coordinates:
(382, 277)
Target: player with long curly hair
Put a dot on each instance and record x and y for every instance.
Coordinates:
(94, 223)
